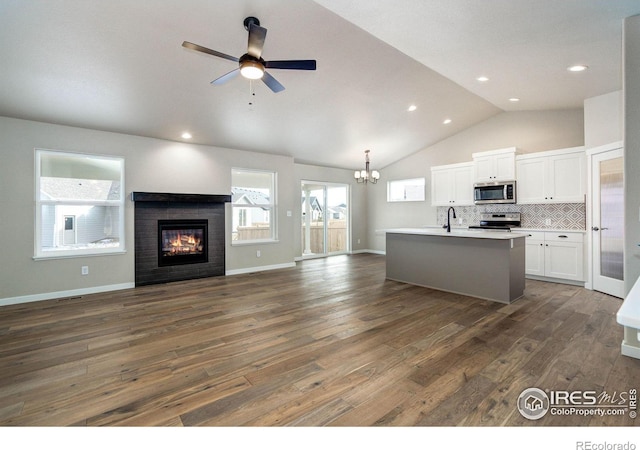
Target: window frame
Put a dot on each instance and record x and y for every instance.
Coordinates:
(38, 252)
(405, 183)
(272, 208)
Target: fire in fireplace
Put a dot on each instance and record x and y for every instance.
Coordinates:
(182, 242)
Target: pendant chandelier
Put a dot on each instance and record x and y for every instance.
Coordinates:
(367, 175)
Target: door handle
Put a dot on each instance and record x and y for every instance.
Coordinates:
(595, 228)
(602, 229)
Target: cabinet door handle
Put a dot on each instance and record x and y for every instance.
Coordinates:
(564, 236)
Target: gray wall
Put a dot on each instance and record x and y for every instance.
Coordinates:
(151, 165)
(603, 118)
(632, 149)
(529, 131)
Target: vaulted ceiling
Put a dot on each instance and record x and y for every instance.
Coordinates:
(119, 66)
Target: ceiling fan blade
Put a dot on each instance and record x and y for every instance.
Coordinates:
(273, 84)
(226, 77)
(208, 51)
(257, 35)
(301, 64)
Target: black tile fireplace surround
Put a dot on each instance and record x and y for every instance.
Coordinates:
(153, 209)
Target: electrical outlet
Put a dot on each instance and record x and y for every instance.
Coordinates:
(358, 241)
(547, 221)
(460, 221)
(84, 270)
(258, 254)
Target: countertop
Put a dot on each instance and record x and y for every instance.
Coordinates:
(456, 232)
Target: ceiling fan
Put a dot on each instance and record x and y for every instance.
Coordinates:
(251, 65)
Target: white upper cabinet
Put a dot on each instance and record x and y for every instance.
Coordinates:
(495, 165)
(557, 176)
(452, 185)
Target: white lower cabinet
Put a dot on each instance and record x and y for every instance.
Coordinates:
(555, 255)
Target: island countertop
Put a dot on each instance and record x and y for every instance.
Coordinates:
(457, 232)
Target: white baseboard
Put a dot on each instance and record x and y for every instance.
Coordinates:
(64, 294)
(260, 268)
(353, 252)
(375, 252)
(630, 350)
(555, 280)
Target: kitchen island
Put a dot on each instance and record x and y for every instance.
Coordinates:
(483, 264)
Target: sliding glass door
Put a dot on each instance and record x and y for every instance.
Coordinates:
(325, 219)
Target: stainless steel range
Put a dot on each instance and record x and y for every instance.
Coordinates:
(498, 221)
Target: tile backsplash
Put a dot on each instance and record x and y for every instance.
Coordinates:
(563, 216)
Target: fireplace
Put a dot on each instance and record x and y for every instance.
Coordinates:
(178, 236)
(182, 242)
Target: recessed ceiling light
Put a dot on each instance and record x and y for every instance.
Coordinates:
(482, 79)
(186, 135)
(412, 108)
(514, 99)
(577, 68)
(446, 121)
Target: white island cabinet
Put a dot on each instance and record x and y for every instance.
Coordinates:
(483, 264)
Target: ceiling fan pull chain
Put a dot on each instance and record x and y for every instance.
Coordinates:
(252, 95)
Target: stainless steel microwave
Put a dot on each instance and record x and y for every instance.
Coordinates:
(494, 192)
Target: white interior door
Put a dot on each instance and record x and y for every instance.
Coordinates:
(607, 222)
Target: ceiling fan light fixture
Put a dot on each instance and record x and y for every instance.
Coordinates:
(252, 70)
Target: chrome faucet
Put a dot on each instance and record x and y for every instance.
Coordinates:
(449, 218)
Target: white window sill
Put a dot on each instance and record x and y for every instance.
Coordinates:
(67, 255)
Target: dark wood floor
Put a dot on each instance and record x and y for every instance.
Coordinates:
(330, 342)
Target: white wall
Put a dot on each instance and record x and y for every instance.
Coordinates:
(603, 118)
(632, 150)
(529, 131)
(151, 165)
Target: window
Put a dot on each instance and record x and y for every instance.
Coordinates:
(79, 204)
(411, 190)
(253, 205)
